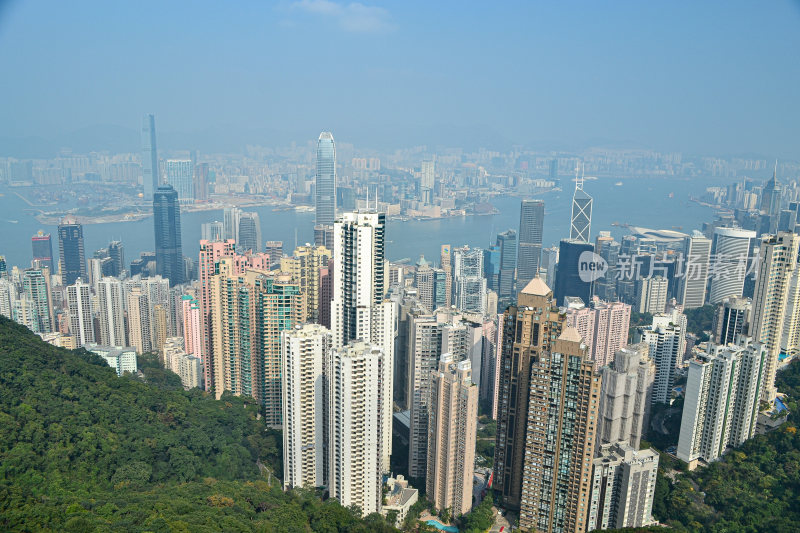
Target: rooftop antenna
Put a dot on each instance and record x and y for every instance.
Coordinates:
(579, 179)
(775, 172)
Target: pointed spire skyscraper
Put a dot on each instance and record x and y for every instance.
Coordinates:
(581, 221)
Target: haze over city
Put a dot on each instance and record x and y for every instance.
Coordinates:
(716, 78)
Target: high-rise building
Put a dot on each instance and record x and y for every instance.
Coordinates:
(359, 310)
(212, 231)
(623, 487)
(771, 196)
(180, 175)
(116, 251)
(469, 285)
(666, 338)
(249, 238)
(230, 222)
(730, 250)
(71, 255)
(122, 359)
(531, 226)
(325, 188)
(777, 262)
(305, 351)
(560, 437)
(549, 265)
(111, 312)
(356, 377)
(325, 294)
(43, 250)
(722, 400)
(581, 220)
(36, 290)
(428, 174)
(304, 266)
(248, 310)
(603, 326)
(568, 280)
(424, 281)
(274, 249)
(452, 431)
(151, 178)
(651, 294)
(697, 258)
(625, 397)
(507, 242)
(79, 306)
(193, 332)
(446, 264)
(730, 320)
(200, 181)
(139, 336)
(167, 224)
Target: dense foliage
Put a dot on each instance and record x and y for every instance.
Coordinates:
(84, 450)
(699, 320)
(755, 487)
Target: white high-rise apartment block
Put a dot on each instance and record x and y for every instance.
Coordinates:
(777, 263)
(356, 377)
(651, 295)
(187, 366)
(111, 310)
(305, 351)
(8, 295)
(452, 430)
(722, 400)
(427, 179)
(697, 257)
(625, 397)
(79, 309)
(666, 337)
(360, 311)
(121, 359)
(623, 486)
(730, 253)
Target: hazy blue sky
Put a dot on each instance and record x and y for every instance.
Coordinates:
(701, 77)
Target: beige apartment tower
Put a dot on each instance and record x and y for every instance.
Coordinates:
(452, 430)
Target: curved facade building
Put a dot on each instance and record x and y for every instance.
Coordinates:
(730, 255)
(325, 195)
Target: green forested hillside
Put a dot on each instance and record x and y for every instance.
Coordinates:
(84, 450)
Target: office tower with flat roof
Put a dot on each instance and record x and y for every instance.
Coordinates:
(151, 178)
(249, 238)
(305, 351)
(623, 487)
(356, 377)
(304, 265)
(79, 309)
(71, 255)
(116, 251)
(446, 264)
(200, 181)
(569, 281)
(777, 262)
(651, 294)
(730, 252)
(549, 265)
(325, 185)
(469, 285)
(212, 231)
(666, 338)
(274, 249)
(452, 431)
(230, 222)
(722, 400)
(627, 386)
(43, 249)
(424, 282)
(36, 289)
(730, 320)
(167, 224)
(180, 176)
(581, 219)
(507, 242)
(696, 262)
(111, 312)
(531, 226)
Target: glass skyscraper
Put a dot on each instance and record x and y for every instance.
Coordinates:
(167, 221)
(71, 254)
(531, 224)
(43, 249)
(326, 180)
(507, 242)
(180, 175)
(150, 177)
(581, 222)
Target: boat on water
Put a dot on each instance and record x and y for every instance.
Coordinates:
(618, 184)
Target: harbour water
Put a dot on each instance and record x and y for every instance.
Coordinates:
(661, 203)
